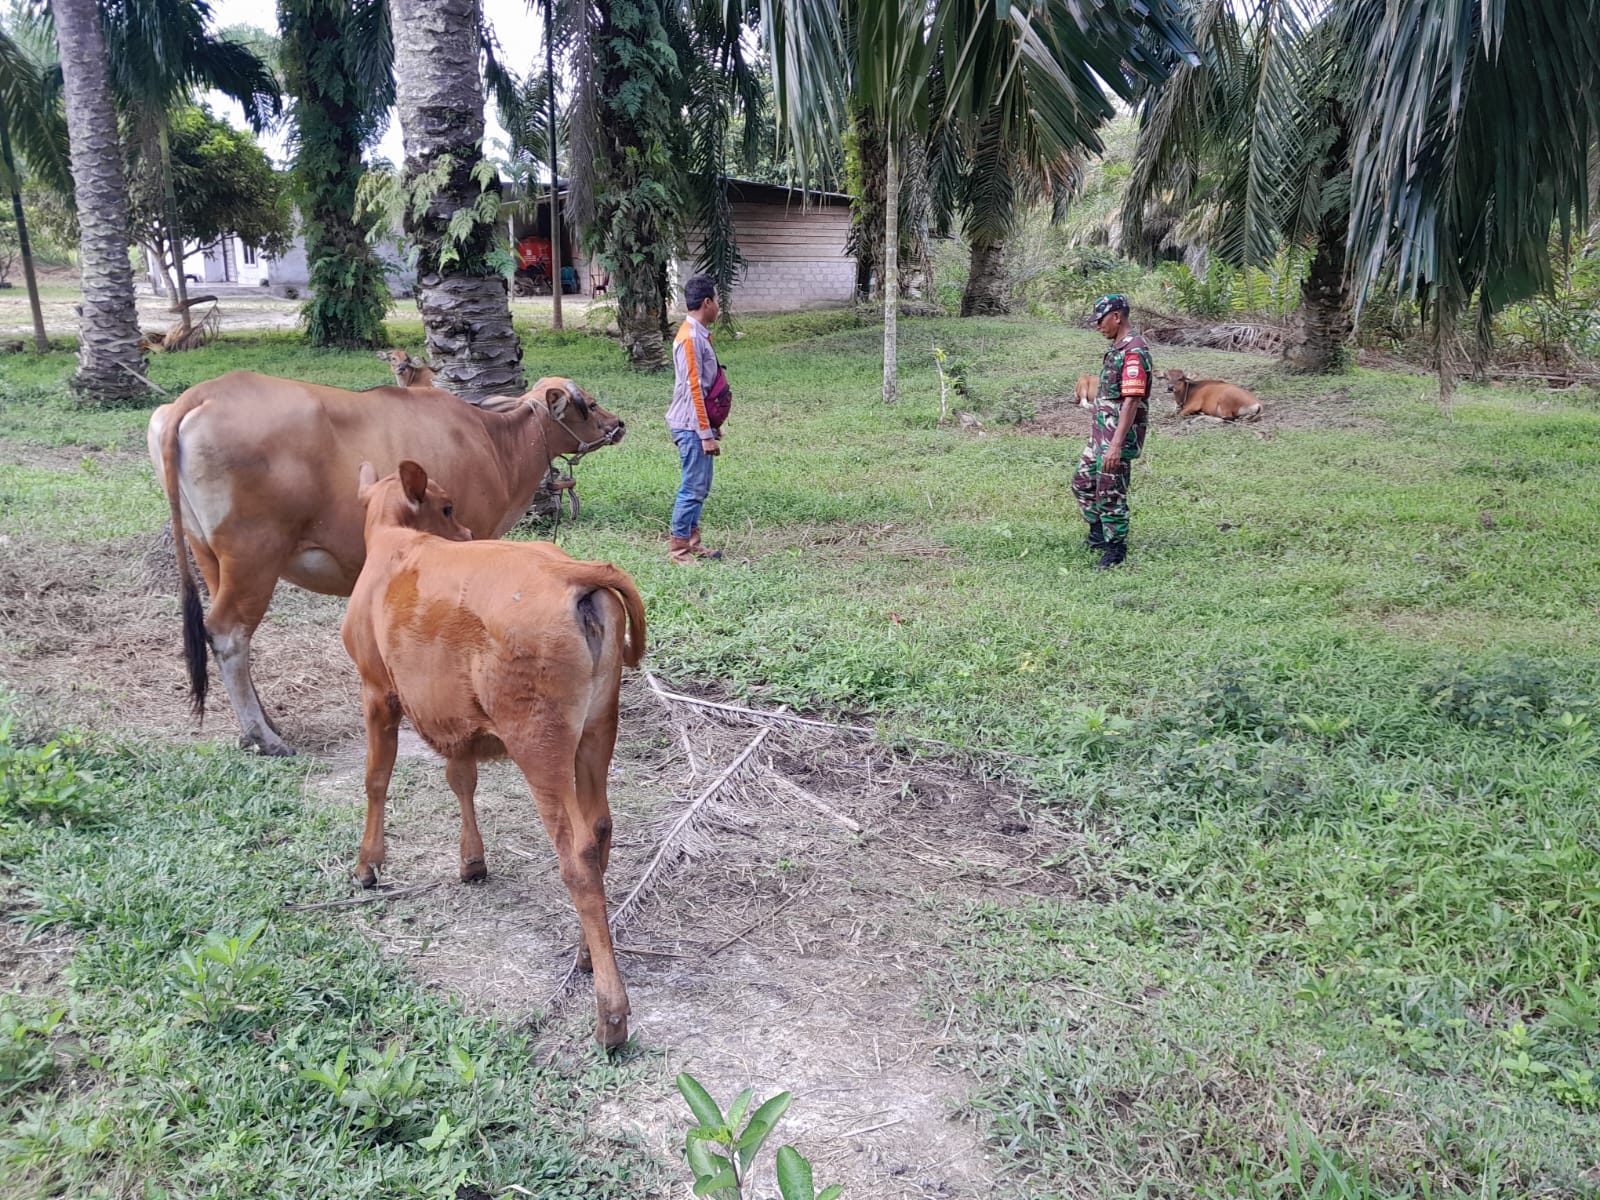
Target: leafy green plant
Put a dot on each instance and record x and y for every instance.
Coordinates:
(217, 979)
(383, 1099)
(722, 1147)
(1095, 732)
(794, 1178)
(45, 784)
(1508, 698)
(26, 1052)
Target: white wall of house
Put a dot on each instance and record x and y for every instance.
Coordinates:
(230, 263)
(794, 253)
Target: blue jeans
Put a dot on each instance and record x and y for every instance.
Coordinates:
(696, 484)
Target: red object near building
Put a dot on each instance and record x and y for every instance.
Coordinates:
(531, 250)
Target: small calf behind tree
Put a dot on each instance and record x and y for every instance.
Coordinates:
(408, 371)
(496, 649)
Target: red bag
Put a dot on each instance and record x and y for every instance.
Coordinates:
(719, 399)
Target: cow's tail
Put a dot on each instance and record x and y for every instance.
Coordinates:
(195, 643)
(590, 575)
(1253, 414)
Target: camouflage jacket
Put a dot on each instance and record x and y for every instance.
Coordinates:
(1124, 375)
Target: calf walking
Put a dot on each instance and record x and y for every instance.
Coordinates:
(496, 649)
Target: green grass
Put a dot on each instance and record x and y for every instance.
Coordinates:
(210, 1043)
(1324, 750)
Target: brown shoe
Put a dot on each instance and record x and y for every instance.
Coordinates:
(699, 551)
(678, 551)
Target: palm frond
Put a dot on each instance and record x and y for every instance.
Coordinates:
(1471, 143)
(31, 110)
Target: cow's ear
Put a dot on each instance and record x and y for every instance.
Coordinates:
(364, 481)
(556, 397)
(414, 480)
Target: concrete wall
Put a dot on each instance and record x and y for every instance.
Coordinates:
(795, 255)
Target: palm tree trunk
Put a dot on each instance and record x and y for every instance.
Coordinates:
(41, 340)
(988, 290)
(866, 206)
(108, 340)
(174, 227)
(1325, 305)
(555, 181)
(465, 303)
(640, 314)
(891, 268)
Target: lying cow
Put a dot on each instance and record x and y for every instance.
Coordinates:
(492, 649)
(257, 472)
(408, 371)
(1211, 397)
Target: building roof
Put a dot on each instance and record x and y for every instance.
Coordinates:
(751, 189)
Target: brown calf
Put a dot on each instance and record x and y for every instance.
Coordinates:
(1211, 397)
(493, 649)
(408, 371)
(1086, 391)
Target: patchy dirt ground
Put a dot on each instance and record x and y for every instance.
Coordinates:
(1060, 416)
(786, 946)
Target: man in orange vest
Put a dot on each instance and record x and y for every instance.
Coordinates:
(694, 367)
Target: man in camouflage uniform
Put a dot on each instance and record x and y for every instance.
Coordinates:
(1116, 434)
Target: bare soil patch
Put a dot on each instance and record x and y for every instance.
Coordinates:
(788, 948)
(92, 637)
(1061, 417)
(784, 950)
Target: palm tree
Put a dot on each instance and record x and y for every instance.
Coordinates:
(1472, 144)
(537, 128)
(159, 51)
(1257, 137)
(108, 340)
(31, 121)
(338, 63)
(877, 56)
(655, 84)
(453, 211)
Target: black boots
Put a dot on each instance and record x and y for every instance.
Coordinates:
(1115, 553)
(1097, 537)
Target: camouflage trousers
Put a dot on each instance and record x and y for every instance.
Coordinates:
(1103, 495)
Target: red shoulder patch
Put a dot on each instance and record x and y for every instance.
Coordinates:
(1134, 381)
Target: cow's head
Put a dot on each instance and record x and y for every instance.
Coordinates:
(408, 371)
(578, 419)
(409, 499)
(1177, 386)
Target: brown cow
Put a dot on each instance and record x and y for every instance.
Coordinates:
(493, 649)
(1086, 391)
(1211, 397)
(257, 472)
(408, 371)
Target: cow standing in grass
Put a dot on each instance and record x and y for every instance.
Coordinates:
(257, 472)
(492, 649)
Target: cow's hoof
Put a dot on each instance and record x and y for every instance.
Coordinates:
(612, 1031)
(267, 747)
(366, 874)
(473, 869)
(585, 959)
